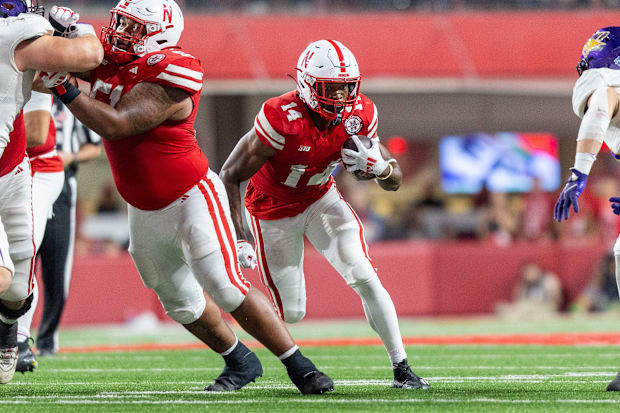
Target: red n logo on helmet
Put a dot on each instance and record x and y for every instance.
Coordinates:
(167, 14)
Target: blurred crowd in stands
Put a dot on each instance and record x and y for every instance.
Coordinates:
(267, 6)
(420, 209)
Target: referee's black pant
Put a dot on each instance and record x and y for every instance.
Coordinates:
(56, 254)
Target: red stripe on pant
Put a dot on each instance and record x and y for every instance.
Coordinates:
(225, 254)
(34, 245)
(263, 269)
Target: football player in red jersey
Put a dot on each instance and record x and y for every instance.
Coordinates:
(143, 102)
(288, 157)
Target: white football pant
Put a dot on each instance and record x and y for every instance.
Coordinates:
(334, 229)
(17, 249)
(187, 246)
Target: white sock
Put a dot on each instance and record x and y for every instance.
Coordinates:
(288, 353)
(231, 348)
(381, 315)
(24, 322)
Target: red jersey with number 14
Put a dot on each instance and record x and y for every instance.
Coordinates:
(154, 168)
(300, 171)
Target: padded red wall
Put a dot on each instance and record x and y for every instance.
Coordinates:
(458, 44)
(422, 278)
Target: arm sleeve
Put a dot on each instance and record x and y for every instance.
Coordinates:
(39, 101)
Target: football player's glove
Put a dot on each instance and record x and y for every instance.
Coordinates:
(53, 79)
(615, 204)
(60, 85)
(246, 254)
(573, 188)
(368, 160)
(62, 19)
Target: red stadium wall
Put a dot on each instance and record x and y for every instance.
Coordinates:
(423, 279)
(459, 44)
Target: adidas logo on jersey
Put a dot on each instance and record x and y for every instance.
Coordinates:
(303, 148)
(134, 70)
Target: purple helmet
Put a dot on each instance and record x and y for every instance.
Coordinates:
(601, 50)
(9, 8)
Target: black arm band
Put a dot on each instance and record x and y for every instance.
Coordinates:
(66, 92)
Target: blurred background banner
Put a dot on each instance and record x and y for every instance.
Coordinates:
(445, 69)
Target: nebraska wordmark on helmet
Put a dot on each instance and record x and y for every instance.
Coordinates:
(324, 63)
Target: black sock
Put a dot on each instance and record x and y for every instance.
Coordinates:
(8, 337)
(238, 353)
(298, 361)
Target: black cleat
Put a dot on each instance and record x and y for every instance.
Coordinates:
(614, 385)
(313, 382)
(304, 374)
(26, 360)
(404, 378)
(238, 372)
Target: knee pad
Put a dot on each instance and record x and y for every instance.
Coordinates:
(294, 316)
(212, 274)
(227, 298)
(366, 286)
(15, 314)
(362, 273)
(19, 288)
(183, 310)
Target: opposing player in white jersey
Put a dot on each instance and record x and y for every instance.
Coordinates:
(144, 100)
(26, 45)
(47, 181)
(288, 157)
(596, 98)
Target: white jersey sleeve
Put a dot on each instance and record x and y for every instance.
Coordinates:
(589, 81)
(39, 101)
(16, 86)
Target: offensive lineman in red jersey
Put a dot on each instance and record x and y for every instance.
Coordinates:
(144, 99)
(288, 157)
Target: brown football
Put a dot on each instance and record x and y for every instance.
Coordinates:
(350, 144)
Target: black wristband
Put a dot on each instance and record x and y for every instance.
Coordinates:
(66, 92)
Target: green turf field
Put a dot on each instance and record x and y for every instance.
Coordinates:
(464, 377)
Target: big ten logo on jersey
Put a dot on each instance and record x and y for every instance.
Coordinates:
(106, 89)
(291, 114)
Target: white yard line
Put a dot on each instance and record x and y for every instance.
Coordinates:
(330, 400)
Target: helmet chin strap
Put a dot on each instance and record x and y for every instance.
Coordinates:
(338, 119)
